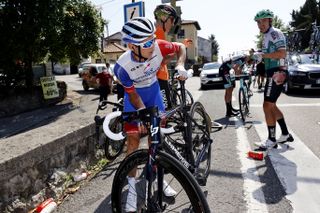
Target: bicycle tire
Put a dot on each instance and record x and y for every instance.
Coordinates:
(173, 169)
(113, 149)
(243, 104)
(200, 137)
(176, 97)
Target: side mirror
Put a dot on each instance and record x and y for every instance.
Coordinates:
(200, 69)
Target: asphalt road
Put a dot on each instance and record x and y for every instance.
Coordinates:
(286, 181)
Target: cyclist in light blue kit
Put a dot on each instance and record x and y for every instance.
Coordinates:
(236, 63)
(136, 69)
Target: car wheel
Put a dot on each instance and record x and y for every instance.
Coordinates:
(203, 87)
(85, 85)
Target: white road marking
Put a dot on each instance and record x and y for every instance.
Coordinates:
(290, 105)
(253, 193)
(298, 169)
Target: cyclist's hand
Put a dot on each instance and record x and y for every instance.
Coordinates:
(257, 56)
(279, 77)
(183, 74)
(142, 128)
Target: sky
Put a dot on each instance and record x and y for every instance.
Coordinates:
(230, 21)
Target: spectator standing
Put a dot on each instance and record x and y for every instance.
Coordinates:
(104, 79)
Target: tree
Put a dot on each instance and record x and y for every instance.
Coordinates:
(214, 47)
(303, 19)
(34, 30)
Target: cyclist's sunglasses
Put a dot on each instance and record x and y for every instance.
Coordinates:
(147, 44)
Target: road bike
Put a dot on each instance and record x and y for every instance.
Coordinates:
(244, 96)
(294, 40)
(315, 40)
(112, 149)
(191, 136)
(153, 166)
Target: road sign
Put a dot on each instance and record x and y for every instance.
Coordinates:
(132, 10)
(49, 87)
(167, 1)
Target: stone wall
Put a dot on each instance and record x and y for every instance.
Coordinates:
(20, 100)
(28, 174)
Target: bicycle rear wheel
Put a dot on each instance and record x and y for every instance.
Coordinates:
(243, 104)
(200, 129)
(113, 149)
(189, 196)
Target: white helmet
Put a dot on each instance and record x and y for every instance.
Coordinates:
(137, 30)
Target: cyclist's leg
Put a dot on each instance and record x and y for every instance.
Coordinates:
(229, 86)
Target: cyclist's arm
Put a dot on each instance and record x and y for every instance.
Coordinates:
(279, 54)
(181, 54)
(173, 48)
(135, 100)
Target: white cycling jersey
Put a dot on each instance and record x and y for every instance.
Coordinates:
(273, 40)
(143, 74)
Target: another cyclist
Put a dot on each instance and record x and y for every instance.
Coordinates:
(235, 63)
(166, 17)
(136, 69)
(274, 53)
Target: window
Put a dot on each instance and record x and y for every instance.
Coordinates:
(181, 34)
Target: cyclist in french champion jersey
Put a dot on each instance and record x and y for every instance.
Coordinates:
(274, 54)
(136, 69)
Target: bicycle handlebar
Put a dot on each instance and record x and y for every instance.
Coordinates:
(114, 136)
(120, 136)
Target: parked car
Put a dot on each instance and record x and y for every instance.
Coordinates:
(88, 80)
(61, 69)
(209, 75)
(303, 73)
(80, 69)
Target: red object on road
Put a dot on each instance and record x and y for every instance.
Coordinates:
(46, 206)
(255, 155)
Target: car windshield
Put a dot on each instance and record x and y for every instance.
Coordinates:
(101, 68)
(301, 59)
(211, 66)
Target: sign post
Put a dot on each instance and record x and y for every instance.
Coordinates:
(133, 10)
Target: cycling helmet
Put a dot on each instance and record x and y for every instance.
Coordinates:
(167, 11)
(263, 14)
(137, 29)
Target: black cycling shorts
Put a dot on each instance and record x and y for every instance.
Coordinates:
(228, 81)
(165, 92)
(272, 90)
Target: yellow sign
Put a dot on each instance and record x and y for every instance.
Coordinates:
(49, 87)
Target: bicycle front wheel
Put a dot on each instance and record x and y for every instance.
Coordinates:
(188, 197)
(200, 129)
(114, 148)
(243, 104)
